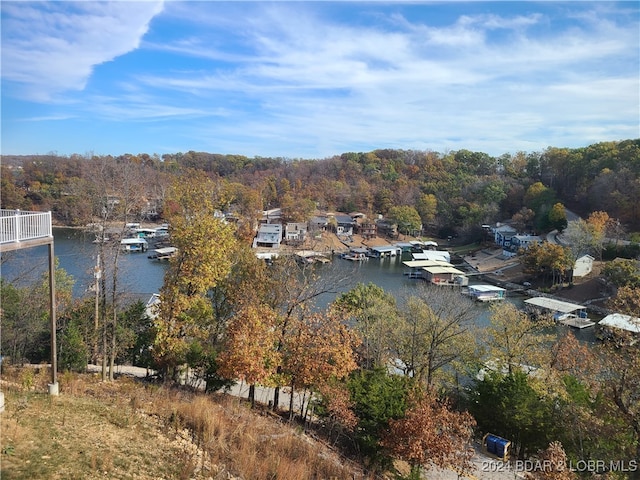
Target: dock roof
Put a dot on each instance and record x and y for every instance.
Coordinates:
(486, 288)
(624, 322)
(426, 263)
(443, 269)
(555, 305)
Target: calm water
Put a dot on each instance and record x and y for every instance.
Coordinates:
(140, 276)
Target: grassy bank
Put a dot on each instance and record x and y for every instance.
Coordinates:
(129, 430)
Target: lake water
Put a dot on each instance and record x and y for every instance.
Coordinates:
(140, 277)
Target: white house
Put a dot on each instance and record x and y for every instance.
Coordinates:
(583, 266)
(269, 235)
(295, 232)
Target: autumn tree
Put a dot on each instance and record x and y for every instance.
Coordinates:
(620, 372)
(406, 217)
(548, 259)
(319, 348)
(540, 199)
(558, 217)
(623, 273)
(373, 312)
(514, 341)
(249, 352)
(293, 289)
(432, 434)
(554, 464)
(205, 244)
(436, 331)
(427, 207)
(523, 218)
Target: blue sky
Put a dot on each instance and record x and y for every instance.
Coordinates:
(315, 79)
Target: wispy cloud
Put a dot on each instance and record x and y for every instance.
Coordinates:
(310, 79)
(53, 47)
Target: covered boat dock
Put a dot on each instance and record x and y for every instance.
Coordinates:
(570, 314)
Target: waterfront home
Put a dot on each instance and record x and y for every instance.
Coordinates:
(524, 241)
(570, 314)
(269, 235)
(295, 232)
(344, 225)
(486, 293)
(503, 236)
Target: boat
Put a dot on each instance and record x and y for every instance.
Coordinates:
(356, 255)
(133, 245)
(310, 256)
(486, 293)
(570, 314)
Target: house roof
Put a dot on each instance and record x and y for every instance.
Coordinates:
(344, 219)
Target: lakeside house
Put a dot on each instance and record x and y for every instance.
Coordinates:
(269, 236)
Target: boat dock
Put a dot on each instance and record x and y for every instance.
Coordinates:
(570, 314)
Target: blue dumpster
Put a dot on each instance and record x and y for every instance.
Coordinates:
(497, 446)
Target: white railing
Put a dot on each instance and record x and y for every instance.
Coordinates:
(18, 226)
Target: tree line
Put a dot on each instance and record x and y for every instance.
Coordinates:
(413, 379)
(450, 193)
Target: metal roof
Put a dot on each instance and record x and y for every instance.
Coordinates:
(426, 263)
(625, 322)
(445, 269)
(555, 305)
(486, 288)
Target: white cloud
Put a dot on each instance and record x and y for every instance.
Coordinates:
(52, 47)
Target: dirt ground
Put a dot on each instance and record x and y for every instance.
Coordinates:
(590, 289)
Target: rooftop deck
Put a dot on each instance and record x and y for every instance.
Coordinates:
(20, 229)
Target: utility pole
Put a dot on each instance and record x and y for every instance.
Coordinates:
(97, 274)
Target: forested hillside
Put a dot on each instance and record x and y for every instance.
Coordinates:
(452, 192)
(380, 377)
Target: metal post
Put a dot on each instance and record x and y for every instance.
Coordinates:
(53, 386)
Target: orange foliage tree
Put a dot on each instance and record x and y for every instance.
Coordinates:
(432, 434)
(319, 349)
(249, 353)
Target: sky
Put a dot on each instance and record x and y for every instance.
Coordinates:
(310, 80)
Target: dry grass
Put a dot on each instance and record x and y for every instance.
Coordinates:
(126, 430)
